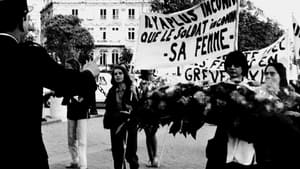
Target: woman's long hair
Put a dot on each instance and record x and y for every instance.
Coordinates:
(127, 79)
(281, 70)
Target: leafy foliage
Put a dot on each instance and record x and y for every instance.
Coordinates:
(66, 38)
(162, 106)
(186, 107)
(170, 6)
(255, 34)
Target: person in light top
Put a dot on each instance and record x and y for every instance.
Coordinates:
(225, 150)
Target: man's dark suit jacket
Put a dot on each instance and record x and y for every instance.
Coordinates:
(25, 70)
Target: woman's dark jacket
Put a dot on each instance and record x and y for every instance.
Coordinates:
(113, 117)
(78, 107)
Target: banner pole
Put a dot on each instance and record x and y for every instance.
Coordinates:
(237, 26)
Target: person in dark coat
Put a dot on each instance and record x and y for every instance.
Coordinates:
(26, 69)
(77, 114)
(120, 104)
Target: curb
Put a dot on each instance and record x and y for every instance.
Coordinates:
(51, 121)
(95, 116)
(48, 121)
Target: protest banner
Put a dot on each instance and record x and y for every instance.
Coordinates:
(103, 85)
(296, 33)
(212, 70)
(279, 51)
(203, 31)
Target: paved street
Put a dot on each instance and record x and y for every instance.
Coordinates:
(177, 152)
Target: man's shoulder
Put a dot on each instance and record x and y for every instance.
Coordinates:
(31, 44)
(32, 47)
(7, 42)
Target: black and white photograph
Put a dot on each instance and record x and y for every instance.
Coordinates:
(142, 84)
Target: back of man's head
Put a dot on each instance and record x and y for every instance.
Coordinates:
(11, 13)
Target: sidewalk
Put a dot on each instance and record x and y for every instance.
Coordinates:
(47, 119)
(176, 152)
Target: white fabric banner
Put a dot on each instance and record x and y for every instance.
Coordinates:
(212, 70)
(296, 31)
(204, 31)
(279, 51)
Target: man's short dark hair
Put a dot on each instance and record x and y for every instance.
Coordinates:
(237, 58)
(146, 74)
(11, 12)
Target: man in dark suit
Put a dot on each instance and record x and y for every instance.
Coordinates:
(26, 69)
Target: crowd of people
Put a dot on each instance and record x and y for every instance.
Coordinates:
(264, 140)
(272, 139)
(256, 140)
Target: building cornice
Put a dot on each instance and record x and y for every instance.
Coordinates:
(109, 45)
(49, 5)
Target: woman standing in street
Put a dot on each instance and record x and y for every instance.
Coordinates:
(121, 101)
(150, 131)
(77, 114)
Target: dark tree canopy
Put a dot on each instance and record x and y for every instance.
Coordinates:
(256, 34)
(66, 38)
(170, 6)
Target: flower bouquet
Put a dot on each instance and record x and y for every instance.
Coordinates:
(187, 106)
(163, 106)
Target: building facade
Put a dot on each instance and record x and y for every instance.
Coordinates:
(34, 18)
(112, 23)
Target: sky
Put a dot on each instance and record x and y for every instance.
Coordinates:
(280, 10)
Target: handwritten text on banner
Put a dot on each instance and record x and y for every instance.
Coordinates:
(206, 30)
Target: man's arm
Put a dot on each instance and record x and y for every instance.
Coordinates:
(63, 81)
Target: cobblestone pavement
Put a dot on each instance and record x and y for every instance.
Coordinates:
(177, 152)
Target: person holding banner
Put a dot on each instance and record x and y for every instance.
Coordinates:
(120, 104)
(266, 138)
(225, 150)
